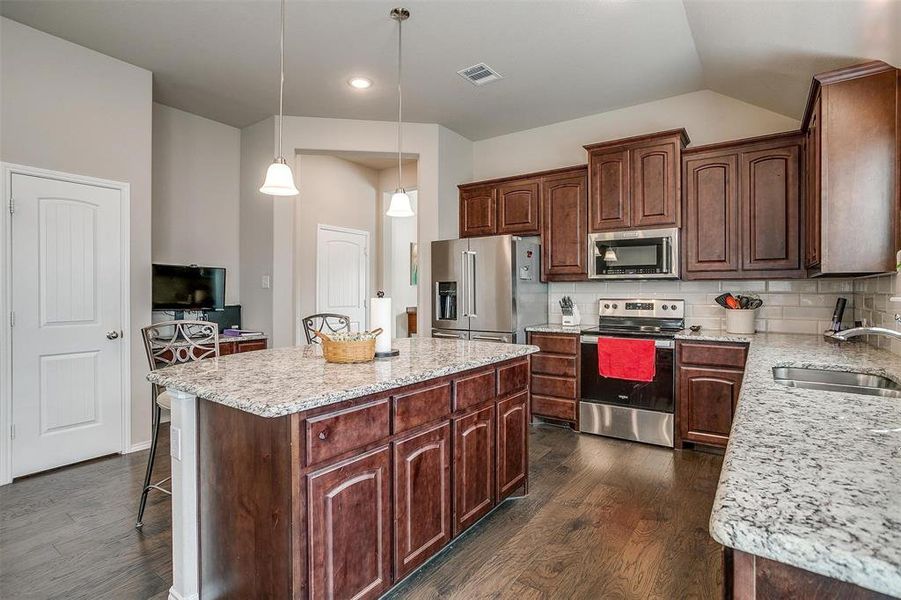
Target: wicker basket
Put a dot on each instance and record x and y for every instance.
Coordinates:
(336, 351)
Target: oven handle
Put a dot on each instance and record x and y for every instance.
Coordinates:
(593, 339)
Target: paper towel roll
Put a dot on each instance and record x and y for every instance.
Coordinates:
(380, 316)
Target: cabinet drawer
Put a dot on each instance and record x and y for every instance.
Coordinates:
(512, 378)
(549, 364)
(556, 408)
(332, 434)
(714, 355)
(474, 389)
(556, 343)
(252, 345)
(421, 406)
(562, 387)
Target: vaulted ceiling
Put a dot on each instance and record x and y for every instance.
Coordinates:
(559, 59)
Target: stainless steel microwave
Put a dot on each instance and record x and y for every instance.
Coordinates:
(642, 254)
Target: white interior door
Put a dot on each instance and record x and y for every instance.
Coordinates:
(66, 342)
(342, 273)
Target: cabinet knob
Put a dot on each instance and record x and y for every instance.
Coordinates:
(324, 434)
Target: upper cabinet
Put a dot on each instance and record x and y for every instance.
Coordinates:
(478, 208)
(742, 209)
(635, 182)
(853, 185)
(517, 206)
(564, 204)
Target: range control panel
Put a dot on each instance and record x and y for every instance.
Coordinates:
(631, 307)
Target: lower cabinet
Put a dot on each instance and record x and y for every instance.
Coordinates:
(709, 382)
(422, 497)
(350, 528)
(473, 467)
(512, 443)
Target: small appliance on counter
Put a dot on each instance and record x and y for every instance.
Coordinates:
(640, 405)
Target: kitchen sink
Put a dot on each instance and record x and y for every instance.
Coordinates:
(837, 381)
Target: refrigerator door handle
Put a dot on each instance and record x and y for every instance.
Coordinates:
(472, 285)
(463, 286)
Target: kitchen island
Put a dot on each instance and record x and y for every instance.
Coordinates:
(297, 478)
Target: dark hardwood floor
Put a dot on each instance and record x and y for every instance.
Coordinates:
(603, 519)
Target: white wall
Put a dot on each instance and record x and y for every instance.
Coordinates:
(707, 116)
(438, 152)
(196, 177)
(457, 166)
(333, 191)
(67, 108)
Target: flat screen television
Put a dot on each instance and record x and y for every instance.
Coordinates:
(179, 287)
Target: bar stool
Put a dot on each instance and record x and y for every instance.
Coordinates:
(169, 343)
(324, 321)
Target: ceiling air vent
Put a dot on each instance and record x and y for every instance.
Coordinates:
(479, 74)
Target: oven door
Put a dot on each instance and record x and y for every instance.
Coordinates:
(657, 395)
(648, 254)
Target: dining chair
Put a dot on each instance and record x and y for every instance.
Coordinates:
(170, 343)
(324, 323)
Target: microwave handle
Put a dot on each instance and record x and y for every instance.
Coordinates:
(668, 255)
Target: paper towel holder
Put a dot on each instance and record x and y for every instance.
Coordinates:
(394, 351)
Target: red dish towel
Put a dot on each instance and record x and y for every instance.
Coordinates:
(621, 358)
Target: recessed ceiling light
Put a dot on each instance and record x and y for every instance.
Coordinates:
(360, 83)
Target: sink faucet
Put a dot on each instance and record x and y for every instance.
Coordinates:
(843, 336)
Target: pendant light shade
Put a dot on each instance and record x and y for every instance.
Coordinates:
(279, 177)
(610, 255)
(279, 180)
(400, 202)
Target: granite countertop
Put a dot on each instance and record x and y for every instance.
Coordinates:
(242, 338)
(277, 382)
(813, 478)
(555, 328)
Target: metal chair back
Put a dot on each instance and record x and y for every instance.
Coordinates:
(324, 323)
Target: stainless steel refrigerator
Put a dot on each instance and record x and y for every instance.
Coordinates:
(487, 288)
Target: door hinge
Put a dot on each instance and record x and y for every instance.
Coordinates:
(12, 318)
(12, 432)
(12, 205)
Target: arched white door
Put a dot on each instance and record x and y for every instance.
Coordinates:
(342, 273)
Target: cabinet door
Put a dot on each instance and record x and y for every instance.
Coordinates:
(564, 245)
(770, 198)
(473, 467)
(609, 204)
(711, 214)
(422, 497)
(707, 400)
(512, 443)
(655, 185)
(517, 207)
(226, 348)
(812, 200)
(478, 207)
(350, 528)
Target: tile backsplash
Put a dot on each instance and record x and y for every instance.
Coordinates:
(796, 306)
(873, 305)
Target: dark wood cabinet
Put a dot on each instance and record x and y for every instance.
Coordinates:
(227, 346)
(422, 497)
(518, 207)
(350, 528)
(636, 182)
(742, 209)
(709, 382)
(474, 474)
(478, 211)
(512, 443)
(564, 202)
(853, 185)
(555, 377)
(609, 195)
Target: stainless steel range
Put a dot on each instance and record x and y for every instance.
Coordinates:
(626, 409)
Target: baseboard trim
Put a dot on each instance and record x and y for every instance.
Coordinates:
(139, 446)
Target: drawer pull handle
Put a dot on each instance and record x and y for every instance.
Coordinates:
(323, 434)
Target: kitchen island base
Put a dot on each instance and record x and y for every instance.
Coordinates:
(348, 499)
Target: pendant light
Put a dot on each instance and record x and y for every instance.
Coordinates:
(400, 202)
(279, 177)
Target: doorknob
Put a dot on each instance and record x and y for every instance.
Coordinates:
(112, 335)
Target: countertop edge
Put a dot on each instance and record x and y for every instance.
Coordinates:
(160, 378)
